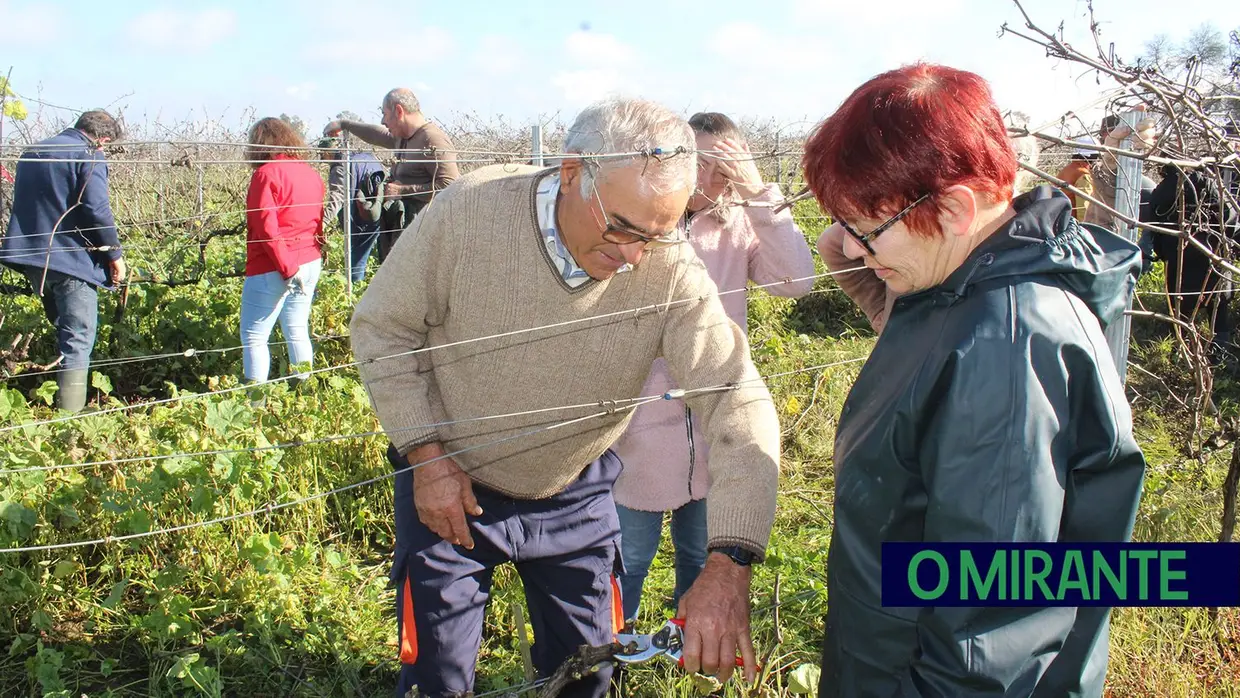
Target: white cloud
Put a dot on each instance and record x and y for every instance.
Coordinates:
(302, 91)
(751, 49)
(841, 15)
(766, 72)
(598, 66)
(498, 56)
(738, 39)
(195, 31)
(581, 87)
(28, 23)
(593, 49)
(424, 46)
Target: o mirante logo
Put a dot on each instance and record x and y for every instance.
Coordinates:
(1061, 574)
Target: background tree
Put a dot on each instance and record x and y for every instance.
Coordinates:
(1208, 56)
(296, 122)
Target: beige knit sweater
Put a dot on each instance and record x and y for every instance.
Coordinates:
(472, 266)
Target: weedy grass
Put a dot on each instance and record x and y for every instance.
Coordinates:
(297, 602)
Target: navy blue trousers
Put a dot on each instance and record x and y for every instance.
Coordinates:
(565, 549)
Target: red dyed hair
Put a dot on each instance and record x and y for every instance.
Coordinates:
(908, 132)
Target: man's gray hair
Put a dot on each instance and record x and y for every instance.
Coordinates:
(404, 97)
(627, 125)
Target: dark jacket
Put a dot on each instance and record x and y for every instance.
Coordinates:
(42, 194)
(989, 410)
(1210, 219)
(361, 166)
(1207, 216)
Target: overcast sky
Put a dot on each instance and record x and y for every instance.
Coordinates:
(788, 60)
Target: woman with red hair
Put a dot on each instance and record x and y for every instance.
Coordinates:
(990, 408)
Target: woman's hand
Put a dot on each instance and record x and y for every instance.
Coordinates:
(736, 163)
(297, 282)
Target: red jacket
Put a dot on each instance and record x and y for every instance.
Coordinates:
(284, 218)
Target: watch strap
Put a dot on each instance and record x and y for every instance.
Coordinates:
(741, 556)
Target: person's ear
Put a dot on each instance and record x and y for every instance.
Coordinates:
(957, 210)
(570, 171)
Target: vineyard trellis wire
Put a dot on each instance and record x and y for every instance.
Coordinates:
(195, 352)
(609, 407)
(1187, 125)
(615, 316)
(1187, 333)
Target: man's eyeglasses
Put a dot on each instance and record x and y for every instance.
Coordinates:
(627, 236)
(864, 240)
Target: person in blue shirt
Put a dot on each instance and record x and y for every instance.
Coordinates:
(363, 196)
(62, 237)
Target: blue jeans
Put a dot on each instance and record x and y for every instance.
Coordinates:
(72, 306)
(361, 242)
(268, 297)
(640, 532)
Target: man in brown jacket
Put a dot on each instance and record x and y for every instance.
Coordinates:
(425, 158)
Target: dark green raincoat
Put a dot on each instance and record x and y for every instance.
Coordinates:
(989, 410)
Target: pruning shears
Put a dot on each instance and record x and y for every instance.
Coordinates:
(667, 642)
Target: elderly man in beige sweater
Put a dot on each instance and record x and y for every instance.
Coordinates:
(520, 292)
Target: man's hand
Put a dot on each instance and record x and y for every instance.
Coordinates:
(443, 495)
(118, 270)
(1142, 140)
(332, 129)
(716, 613)
(392, 189)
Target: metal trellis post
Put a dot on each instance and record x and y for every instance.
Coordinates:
(163, 197)
(1127, 202)
(347, 223)
(536, 139)
(779, 164)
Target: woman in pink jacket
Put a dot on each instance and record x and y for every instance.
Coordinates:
(662, 451)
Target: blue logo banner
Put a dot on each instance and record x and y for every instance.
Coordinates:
(1061, 574)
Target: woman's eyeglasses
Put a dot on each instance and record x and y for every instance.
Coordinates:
(864, 240)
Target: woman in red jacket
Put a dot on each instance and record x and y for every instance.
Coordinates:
(284, 243)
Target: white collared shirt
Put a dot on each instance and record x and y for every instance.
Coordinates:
(545, 201)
